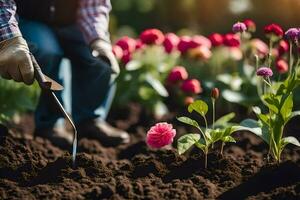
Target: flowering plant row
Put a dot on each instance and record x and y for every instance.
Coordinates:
(156, 65)
(276, 96)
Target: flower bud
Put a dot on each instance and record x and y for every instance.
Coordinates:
(251, 26)
(215, 93)
(282, 66)
(239, 27)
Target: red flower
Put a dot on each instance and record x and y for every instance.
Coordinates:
(273, 29)
(118, 52)
(139, 44)
(171, 41)
(282, 66)
(178, 73)
(191, 86)
(216, 39)
(251, 26)
(126, 43)
(231, 40)
(152, 36)
(283, 47)
(184, 44)
(126, 57)
(200, 40)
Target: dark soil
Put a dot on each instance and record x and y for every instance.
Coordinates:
(35, 169)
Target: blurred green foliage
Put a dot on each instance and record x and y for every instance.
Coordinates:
(16, 98)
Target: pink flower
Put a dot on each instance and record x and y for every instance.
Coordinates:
(239, 27)
(184, 44)
(273, 29)
(139, 44)
(251, 26)
(178, 73)
(201, 52)
(264, 71)
(152, 36)
(160, 135)
(282, 66)
(191, 86)
(200, 40)
(232, 40)
(171, 41)
(126, 43)
(235, 53)
(117, 51)
(126, 57)
(260, 48)
(216, 39)
(188, 100)
(283, 47)
(292, 34)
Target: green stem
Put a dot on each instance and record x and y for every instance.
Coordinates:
(291, 57)
(214, 112)
(270, 53)
(205, 120)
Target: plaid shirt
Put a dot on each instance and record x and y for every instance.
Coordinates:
(92, 17)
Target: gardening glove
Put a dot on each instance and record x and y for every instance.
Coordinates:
(103, 50)
(15, 60)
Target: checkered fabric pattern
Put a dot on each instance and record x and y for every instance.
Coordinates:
(92, 17)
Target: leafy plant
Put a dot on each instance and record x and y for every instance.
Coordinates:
(220, 130)
(278, 98)
(16, 98)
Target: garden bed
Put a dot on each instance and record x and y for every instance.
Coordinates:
(35, 169)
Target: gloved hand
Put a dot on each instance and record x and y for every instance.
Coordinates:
(15, 61)
(103, 50)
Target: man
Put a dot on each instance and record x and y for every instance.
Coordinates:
(76, 29)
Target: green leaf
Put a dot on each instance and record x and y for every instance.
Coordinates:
(189, 121)
(228, 139)
(157, 85)
(233, 97)
(199, 106)
(287, 107)
(222, 121)
(216, 135)
(201, 144)
(290, 140)
(185, 142)
(255, 127)
(271, 102)
(262, 117)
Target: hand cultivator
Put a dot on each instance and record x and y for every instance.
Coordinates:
(49, 86)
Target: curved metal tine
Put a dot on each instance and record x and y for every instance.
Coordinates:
(72, 124)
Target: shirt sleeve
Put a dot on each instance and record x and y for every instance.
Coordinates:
(93, 19)
(8, 22)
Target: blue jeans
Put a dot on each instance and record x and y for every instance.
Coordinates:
(91, 88)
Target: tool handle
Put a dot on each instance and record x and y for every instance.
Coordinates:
(38, 74)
